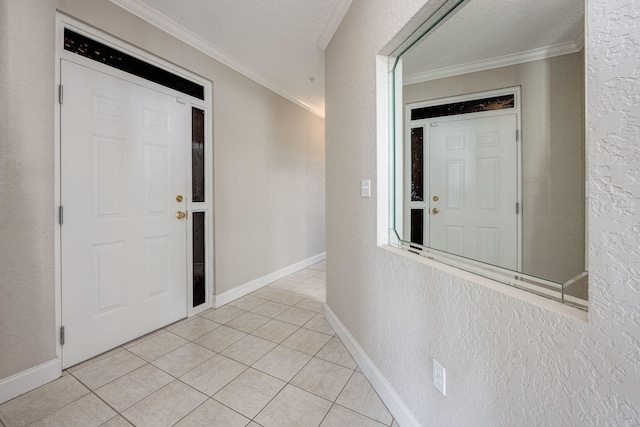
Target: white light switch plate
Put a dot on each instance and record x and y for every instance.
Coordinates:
(365, 188)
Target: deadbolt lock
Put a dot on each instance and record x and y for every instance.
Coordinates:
(436, 198)
(178, 198)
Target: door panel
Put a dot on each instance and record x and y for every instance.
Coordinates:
(123, 249)
(473, 177)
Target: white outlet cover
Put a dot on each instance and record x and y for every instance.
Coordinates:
(365, 188)
(439, 377)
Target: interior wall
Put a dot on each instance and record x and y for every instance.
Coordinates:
(508, 361)
(268, 169)
(553, 204)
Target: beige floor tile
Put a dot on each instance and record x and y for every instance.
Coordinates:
(88, 411)
(294, 407)
(248, 322)
(143, 338)
(213, 374)
(270, 309)
(283, 284)
(117, 421)
(32, 406)
(359, 396)
(296, 316)
(282, 362)
(288, 298)
(395, 424)
(253, 424)
(247, 302)
(340, 416)
(220, 338)
(306, 341)
(250, 392)
(183, 359)
(106, 370)
(319, 324)
(322, 378)
(213, 414)
(275, 331)
(313, 287)
(334, 351)
(311, 305)
(222, 314)
(157, 346)
(133, 387)
(195, 327)
(166, 406)
(302, 275)
(95, 359)
(266, 293)
(320, 266)
(249, 349)
(322, 275)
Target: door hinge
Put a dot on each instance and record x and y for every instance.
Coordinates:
(517, 208)
(517, 135)
(61, 335)
(61, 215)
(60, 93)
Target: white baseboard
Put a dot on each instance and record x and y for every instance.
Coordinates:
(254, 285)
(25, 381)
(396, 406)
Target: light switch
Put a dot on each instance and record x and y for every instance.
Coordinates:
(365, 188)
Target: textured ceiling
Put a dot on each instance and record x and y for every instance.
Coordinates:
(274, 42)
(487, 29)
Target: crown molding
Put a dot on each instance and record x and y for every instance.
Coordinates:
(330, 28)
(171, 27)
(501, 61)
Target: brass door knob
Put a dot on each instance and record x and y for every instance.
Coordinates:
(181, 215)
(435, 211)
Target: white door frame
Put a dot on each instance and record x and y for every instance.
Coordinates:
(62, 22)
(425, 123)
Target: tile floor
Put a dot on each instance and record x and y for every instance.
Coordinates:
(267, 359)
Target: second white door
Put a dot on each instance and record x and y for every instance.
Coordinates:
(123, 164)
(473, 189)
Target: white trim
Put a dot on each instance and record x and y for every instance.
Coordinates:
(252, 286)
(501, 61)
(330, 28)
(391, 399)
(32, 378)
(171, 27)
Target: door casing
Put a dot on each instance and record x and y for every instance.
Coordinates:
(409, 124)
(62, 22)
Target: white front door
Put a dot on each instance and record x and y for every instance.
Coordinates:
(473, 188)
(123, 248)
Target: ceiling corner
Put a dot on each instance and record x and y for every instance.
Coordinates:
(338, 13)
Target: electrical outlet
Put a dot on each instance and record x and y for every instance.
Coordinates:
(365, 188)
(439, 377)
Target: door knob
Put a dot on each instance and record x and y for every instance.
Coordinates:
(435, 211)
(181, 215)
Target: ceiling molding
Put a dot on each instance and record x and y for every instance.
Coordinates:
(501, 61)
(330, 28)
(171, 27)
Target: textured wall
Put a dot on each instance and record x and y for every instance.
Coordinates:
(553, 168)
(268, 165)
(509, 361)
